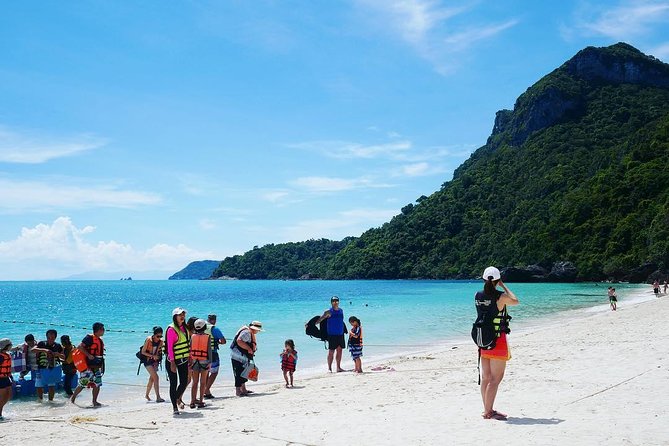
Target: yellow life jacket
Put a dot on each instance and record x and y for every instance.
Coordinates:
(181, 348)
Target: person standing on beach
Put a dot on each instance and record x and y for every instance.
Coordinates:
(94, 350)
(217, 340)
(355, 342)
(613, 299)
(493, 362)
(178, 351)
(49, 372)
(336, 330)
(68, 364)
(242, 350)
(200, 355)
(5, 374)
(656, 288)
(152, 352)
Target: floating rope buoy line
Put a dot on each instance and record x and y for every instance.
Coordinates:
(52, 324)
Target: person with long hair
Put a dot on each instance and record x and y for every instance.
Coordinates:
(493, 362)
(152, 351)
(178, 351)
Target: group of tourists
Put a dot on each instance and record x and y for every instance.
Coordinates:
(191, 350)
(49, 362)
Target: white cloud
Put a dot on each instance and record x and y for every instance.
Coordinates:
(461, 41)
(28, 149)
(17, 196)
(427, 27)
(59, 249)
(207, 224)
(627, 19)
(275, 196)
(353, 150)
(333, 184)
(340, 225)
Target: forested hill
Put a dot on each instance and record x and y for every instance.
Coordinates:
(578, 171)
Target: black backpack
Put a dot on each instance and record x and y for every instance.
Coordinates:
(484, 333)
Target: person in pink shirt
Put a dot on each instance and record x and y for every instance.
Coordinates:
(178, 352)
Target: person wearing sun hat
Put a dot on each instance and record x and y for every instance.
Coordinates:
(176, 363)
(5, 373)
(242, 350)
(336, 330)
(492, 303)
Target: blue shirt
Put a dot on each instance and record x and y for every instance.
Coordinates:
(217, 334)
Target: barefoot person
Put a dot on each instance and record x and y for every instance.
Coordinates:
(493, 302)
(49, 372)
(152, 351)
(288, 361)
(178, 351)
(94, 349)
(336, 330)
(355, 342)
(5, 374)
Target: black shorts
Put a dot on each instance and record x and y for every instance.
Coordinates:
(5, 382)
(335, 341)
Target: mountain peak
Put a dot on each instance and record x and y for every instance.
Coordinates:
(616, 64)
(558, 96)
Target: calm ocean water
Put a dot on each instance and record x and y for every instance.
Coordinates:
(397, 316)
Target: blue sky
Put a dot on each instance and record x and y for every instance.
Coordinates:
(138, 136)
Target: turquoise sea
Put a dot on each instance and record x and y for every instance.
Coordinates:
(397, 316)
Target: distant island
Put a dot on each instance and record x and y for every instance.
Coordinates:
(570, 186)
(202, 269)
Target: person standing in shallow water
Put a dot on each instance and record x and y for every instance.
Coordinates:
(336, 330)
(93, 348)
(493, 362)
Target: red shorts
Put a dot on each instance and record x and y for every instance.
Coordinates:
(500, 352)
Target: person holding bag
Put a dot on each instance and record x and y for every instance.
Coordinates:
(242, 350)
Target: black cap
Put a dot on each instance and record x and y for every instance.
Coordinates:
(334, 298)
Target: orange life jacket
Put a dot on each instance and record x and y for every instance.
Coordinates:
(97, 348)
(199, 347)
(6, 366)
(79, 359)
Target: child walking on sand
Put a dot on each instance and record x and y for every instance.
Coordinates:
(288, 361)
(355, 342)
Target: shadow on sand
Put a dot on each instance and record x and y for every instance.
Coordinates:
(530, 421)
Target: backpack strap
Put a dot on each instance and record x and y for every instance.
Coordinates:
(478, 367)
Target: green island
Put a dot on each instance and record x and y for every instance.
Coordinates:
(571, 185)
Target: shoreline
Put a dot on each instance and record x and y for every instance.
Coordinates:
(595, 379)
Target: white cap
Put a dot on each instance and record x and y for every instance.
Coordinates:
(178, 310)
(493, 272)
(200, 324)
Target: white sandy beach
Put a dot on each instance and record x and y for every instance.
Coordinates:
(596, 378)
